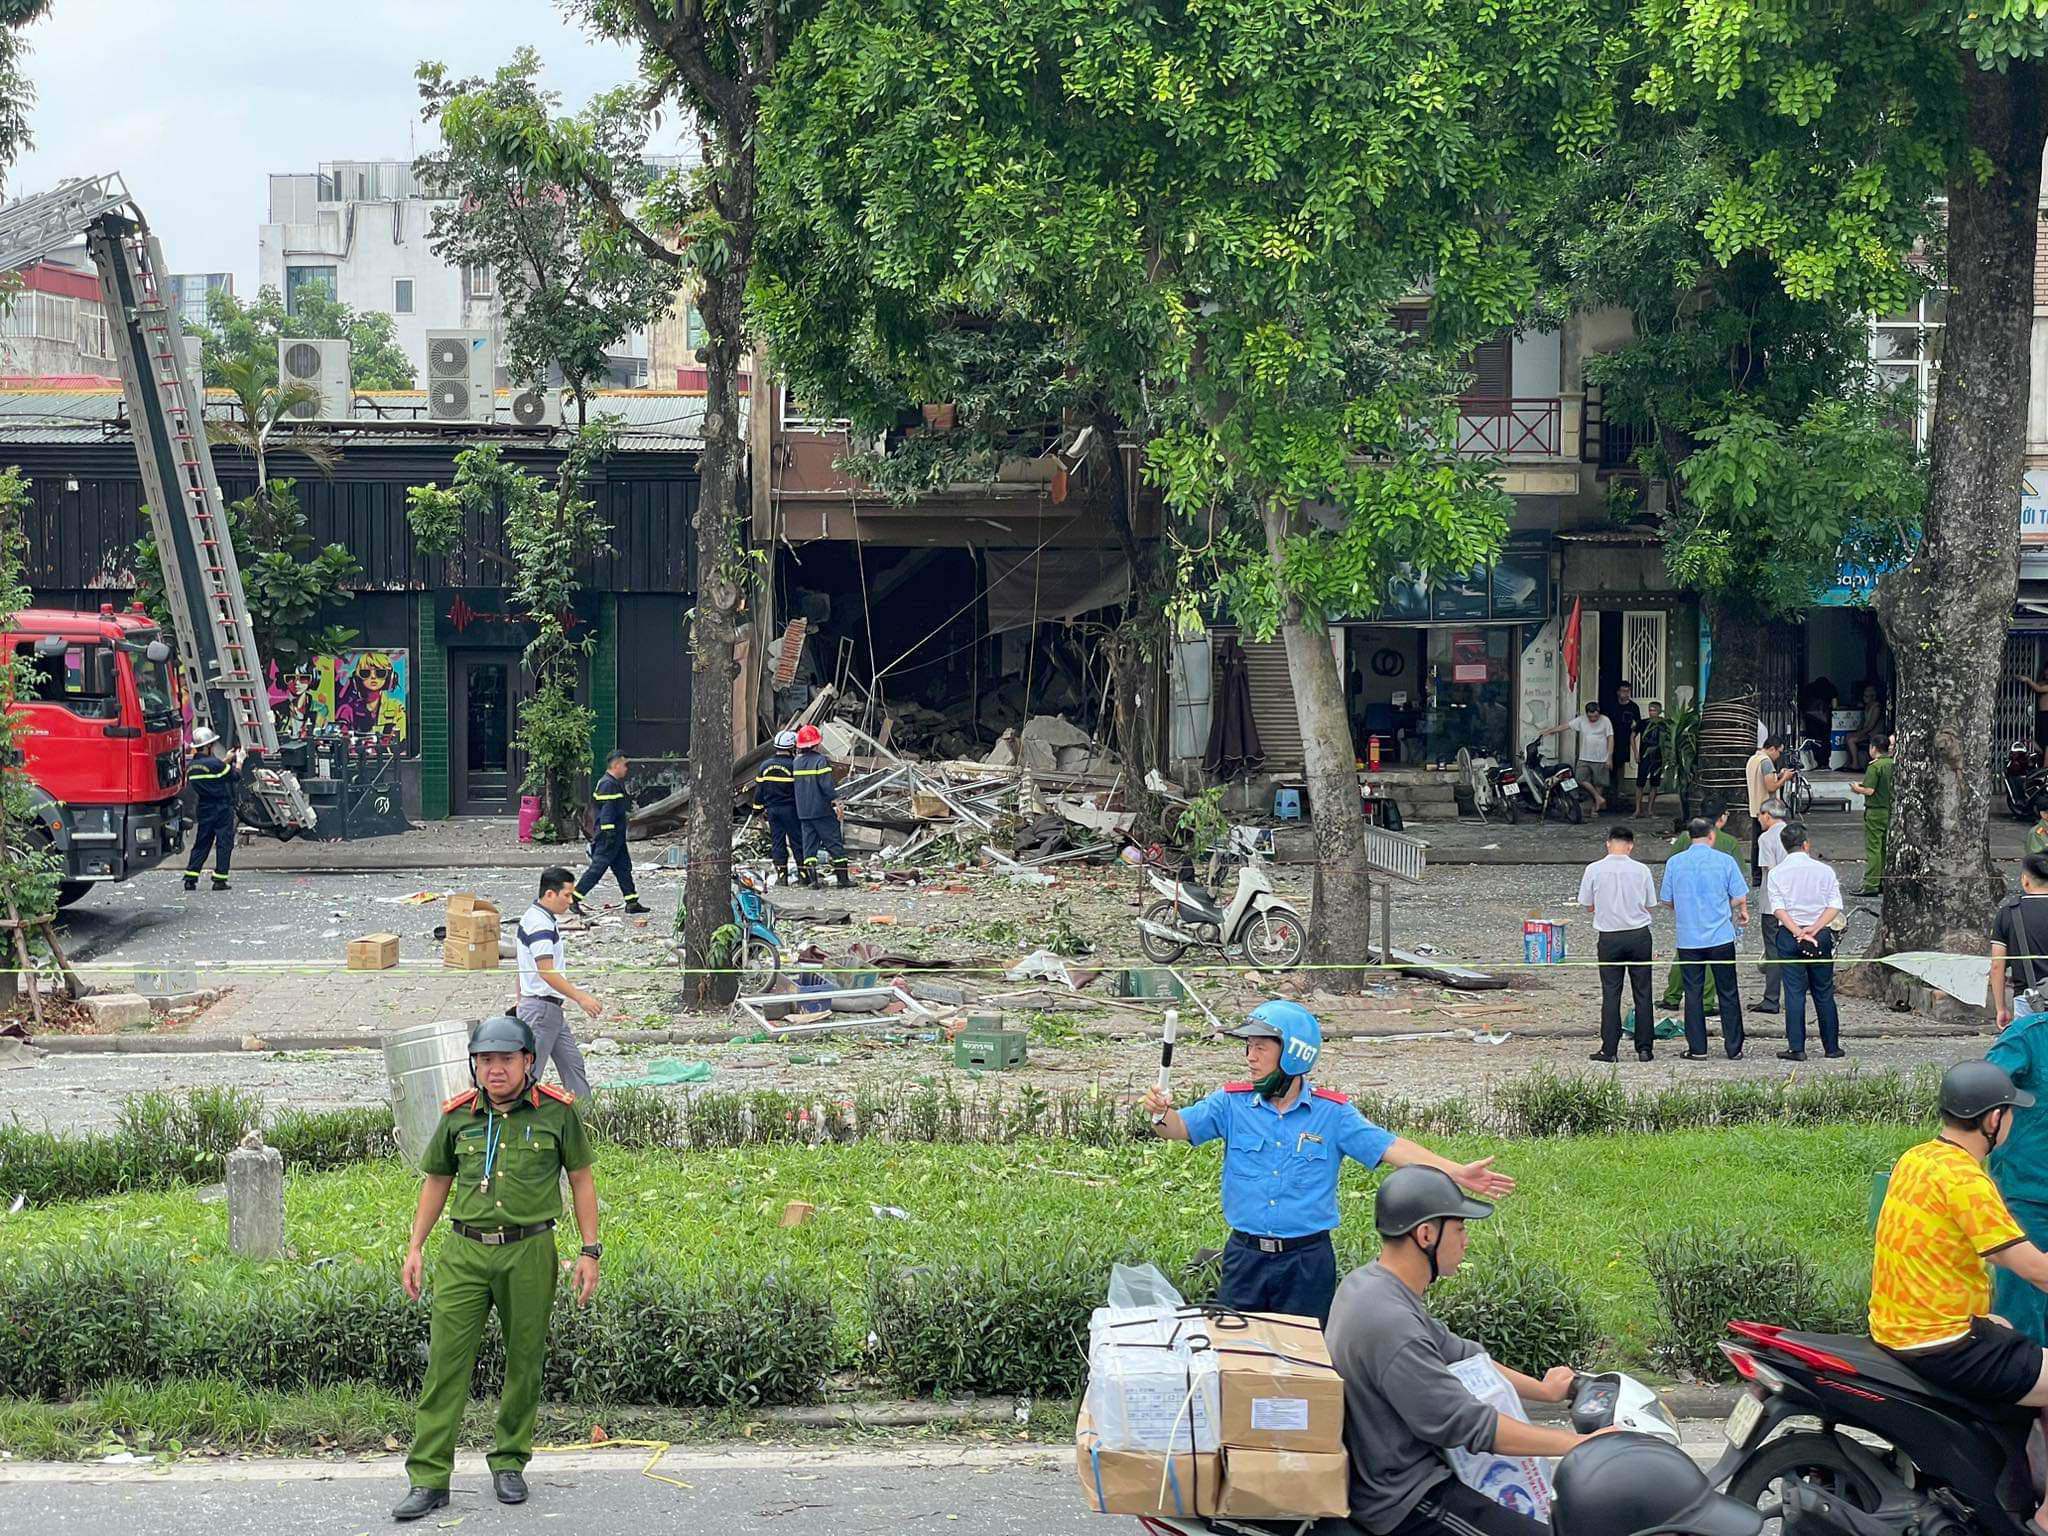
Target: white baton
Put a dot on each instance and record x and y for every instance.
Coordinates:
(1166, 1056)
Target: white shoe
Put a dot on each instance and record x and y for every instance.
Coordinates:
(774, 877)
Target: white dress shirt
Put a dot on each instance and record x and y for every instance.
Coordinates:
(1621, 893)
(1802, 888)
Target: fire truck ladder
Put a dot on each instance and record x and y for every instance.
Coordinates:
(216, 645)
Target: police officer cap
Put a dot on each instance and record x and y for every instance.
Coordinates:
(1973, 1088)
(1410, 1196)
(1632, 1485)
(503, 1033)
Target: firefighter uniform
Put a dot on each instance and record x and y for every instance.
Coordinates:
(213, 779)
(815, 792)
(608, 846)
(499, 1252)
(775, 798)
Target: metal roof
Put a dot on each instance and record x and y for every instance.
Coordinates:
(655, 421)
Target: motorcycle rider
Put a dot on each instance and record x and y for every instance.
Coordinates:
(1285, 1144)
(1403, 1406)
(1943, 1221)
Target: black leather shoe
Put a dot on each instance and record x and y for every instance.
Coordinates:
(1646, 1056)
(1692, 1056)
(1765, 1008)
(510, 1487)
(1600, 1056)
(1836, 1055)
(1736, 1054)
(420, 1502)
(1791, 1055)
(637, 909)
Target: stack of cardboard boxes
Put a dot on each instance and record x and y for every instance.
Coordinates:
(1227, 1414)
(472, 942)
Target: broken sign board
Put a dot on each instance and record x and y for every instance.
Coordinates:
(767, 1008)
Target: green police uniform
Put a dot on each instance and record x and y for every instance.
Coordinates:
(1877, 822)
(507, 1170)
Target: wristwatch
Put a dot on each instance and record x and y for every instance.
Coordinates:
(593, 1250)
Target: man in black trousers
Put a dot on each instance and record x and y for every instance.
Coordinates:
(1622, 894)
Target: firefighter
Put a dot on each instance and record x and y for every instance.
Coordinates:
(608, 845)
(817, 806)
(213, 778)
(775, 798)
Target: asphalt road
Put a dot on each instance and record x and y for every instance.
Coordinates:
(990, 1490)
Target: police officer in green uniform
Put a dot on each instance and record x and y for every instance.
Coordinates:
(495, 1162)
(1876, 789)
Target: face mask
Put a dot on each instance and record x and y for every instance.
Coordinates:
(1273, 1084)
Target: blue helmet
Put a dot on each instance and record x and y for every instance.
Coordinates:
(1300, 1036)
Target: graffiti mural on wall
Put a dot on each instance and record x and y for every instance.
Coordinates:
(362, 692)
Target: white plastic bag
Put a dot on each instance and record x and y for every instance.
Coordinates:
(1152, 1380)
(1519, 1483)
(1141, 1285)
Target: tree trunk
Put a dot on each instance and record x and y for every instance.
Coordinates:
(1736, 638)
(1137, 648)
(1341, 907)
(707, 891)
(1946, 610)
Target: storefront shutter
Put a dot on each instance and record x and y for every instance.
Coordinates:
(1272, 689)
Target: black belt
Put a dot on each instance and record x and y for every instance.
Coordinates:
(1278, 1244)
(493, 1239)
(552, 1002)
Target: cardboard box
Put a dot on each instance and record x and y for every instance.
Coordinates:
(1128, 1482)
(373, 952)
(1284, 1485)
(470, 954)
(472, 919)
(1279, 1390)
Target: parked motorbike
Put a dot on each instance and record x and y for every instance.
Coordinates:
(758, 952)
(1259, 924)
(1552, 788)
(2026, 780)
(1496, 786)
(1609, 1399)
(1891, 1453)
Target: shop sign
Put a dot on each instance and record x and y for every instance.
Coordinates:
(2034, 507)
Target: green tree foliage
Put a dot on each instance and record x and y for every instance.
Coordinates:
(249, 332)
(552, 532)
(1213, 211)
(17, 91)
(568, 301)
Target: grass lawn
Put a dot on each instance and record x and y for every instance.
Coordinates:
(1583, 1204)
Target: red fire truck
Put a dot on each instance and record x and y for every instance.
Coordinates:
(105, 748)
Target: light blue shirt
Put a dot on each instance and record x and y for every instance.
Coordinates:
(1280, 1171)
(1699, 884)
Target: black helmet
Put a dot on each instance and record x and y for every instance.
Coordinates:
(503, 1033)
(1973, 1088)
(1632, 1485)
(1410, 1196)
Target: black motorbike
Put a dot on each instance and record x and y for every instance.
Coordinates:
(1552, 788)
(2026, 780)
(1920, 1460)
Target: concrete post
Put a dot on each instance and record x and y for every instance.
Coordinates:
(256, 1199)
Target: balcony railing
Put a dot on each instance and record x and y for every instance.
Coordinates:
(1512, 429)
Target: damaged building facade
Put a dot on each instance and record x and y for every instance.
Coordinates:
(437, 656)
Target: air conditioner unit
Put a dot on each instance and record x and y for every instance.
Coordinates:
(537, 406)
(462, 376)
(321, 364)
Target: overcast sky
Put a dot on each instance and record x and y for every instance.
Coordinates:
(197, 102)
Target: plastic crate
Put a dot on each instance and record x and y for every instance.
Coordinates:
(989, 1050)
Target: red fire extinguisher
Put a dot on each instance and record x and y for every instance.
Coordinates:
(1372, 754)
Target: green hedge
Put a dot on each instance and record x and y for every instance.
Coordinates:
(1709, 1276)
(165, 1140)
(1529, 1315)
(69, 1321)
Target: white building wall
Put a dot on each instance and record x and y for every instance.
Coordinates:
(1537, 369)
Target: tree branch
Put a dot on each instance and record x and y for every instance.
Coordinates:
(685, 43)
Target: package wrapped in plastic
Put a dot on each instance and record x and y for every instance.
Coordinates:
(1152, 1379)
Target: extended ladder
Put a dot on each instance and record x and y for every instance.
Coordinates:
(216, 645)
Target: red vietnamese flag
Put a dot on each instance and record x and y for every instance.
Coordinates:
(1571, 647)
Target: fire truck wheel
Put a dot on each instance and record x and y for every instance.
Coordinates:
(69, 891)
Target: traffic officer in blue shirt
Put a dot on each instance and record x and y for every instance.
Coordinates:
(1285, 1142)
(608, 844)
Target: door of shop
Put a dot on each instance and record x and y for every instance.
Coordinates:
(485, 692)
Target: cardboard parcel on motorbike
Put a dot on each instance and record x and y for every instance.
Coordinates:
(1198, 1411)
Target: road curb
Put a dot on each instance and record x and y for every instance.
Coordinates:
(143, 1045)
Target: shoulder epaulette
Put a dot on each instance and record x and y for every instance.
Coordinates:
(1331, 1094)
(554, 1093)
(461, 1100)
(1239, 1087)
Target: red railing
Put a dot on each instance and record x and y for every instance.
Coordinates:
(1508, 429)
